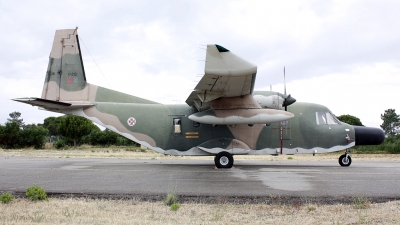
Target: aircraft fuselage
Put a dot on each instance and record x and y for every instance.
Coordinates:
(155, 126)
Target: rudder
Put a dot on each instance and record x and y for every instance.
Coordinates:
(65, 78)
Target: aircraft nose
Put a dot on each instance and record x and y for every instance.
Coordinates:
(368, 135)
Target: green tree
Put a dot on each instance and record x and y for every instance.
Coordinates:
(1, 135)
(14, 134)
(74, 127)
(15, 117)
(349, 119)
(10, 135)
(391, 122)
(123, 141)
(105, 137)
(33, 135)
(51, 124)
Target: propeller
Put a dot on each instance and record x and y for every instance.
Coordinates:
(288, 99)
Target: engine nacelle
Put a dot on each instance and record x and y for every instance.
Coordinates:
(270, 102)
(241, 116)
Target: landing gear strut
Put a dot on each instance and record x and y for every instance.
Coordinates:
(345, 159)
(223, 160)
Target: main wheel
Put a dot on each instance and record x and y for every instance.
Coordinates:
(223, 160)
(343, 161)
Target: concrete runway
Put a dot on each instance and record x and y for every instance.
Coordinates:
(298, 179)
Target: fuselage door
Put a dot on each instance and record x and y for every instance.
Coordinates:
(177, 125)
(176, 129)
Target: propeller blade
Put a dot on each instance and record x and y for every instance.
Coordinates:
(288, 99)
(284, 80)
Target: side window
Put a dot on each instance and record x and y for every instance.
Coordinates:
(177, 126)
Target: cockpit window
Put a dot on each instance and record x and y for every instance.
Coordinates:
(326, 118)
(335, 119)
(330, 119)
(321, 117)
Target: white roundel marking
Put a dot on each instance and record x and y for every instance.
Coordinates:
(131, 121)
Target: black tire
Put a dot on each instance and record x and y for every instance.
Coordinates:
(343, 161)
(223, 160)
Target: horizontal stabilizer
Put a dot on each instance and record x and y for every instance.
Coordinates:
(50, 104)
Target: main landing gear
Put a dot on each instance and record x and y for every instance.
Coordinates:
(345, 159)
(223, 160)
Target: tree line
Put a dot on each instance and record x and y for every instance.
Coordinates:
(391, 127)
(60, 131)
(74, 130)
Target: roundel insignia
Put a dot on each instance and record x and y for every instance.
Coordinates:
(131, 121)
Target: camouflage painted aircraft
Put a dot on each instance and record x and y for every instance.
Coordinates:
(223, 115)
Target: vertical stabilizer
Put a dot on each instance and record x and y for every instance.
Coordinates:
(65, 77)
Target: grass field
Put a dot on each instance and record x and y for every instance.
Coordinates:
(88, 211)
(135, 211)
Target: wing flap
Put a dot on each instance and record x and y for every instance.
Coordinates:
(226, 75)
(194, 100)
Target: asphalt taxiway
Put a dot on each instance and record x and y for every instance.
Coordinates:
(249, 178)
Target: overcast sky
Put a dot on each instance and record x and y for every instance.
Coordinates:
(341, 54)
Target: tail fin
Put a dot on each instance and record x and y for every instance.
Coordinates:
(65, 77)
(65, 86)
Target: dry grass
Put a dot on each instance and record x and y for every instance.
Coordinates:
(86, 152)
(138, 153)
(87, 211)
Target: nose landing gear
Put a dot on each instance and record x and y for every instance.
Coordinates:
(345, 159)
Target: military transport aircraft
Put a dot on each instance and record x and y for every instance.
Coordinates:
(223, 115)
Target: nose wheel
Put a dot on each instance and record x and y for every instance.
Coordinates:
(223, 160)
(345, 159)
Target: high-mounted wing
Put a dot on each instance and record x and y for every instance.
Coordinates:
(224, 94)
(225, 75)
